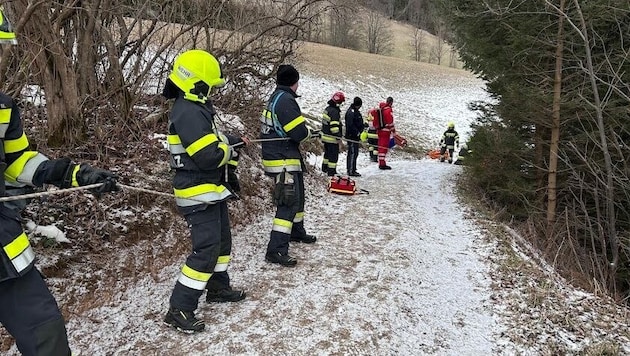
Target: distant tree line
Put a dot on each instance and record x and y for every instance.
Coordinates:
(550, 151)
(94, 61)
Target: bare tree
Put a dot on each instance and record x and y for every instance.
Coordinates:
(555, 125)
(439, 47)
(418, 43)
(93, 55)
(377, 33)
(342, 23)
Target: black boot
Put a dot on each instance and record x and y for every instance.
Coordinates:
(183, 321)
(224, 295)
(307, 239)
(281, 259)
(384, 166)
(354, 174)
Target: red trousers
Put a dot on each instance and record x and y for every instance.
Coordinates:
(383, 144)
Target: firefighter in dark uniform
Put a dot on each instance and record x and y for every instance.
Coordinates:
(372, 140)
(28, 310)
(354, 127)
(283, 123)
(331, 133)
(449, 140)
(463, 153)
(204, 161)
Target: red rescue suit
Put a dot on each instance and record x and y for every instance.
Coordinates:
(385, 129)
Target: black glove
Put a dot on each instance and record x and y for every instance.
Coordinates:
(232, 180)
(88, 175)
(315, 134)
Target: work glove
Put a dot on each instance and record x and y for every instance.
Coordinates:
(315, 134)
(89, 175)
(363, 136)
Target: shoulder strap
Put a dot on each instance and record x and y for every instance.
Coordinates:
(381, 119)
(276, 124)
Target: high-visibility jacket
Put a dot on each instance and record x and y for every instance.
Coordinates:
(200, 155)
(282, 118)
(24, 168)
(331, 123)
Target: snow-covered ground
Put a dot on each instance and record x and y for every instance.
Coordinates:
(404, 270)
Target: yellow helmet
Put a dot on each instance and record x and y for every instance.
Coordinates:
(451, 125)
(196, 72)
(6, 30)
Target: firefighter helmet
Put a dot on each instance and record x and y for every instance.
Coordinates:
(338, 97)
(196, 72)
(6, 30)
(451, 125)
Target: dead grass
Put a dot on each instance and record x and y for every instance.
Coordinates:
(340, 63)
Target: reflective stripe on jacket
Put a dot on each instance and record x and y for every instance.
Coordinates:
(284, 111)
(331, 123)
(450, 138)
(16, 254)
(199, 154)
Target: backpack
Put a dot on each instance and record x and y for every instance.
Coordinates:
(377, 118)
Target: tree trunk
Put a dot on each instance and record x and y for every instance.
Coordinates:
(613, 239)
(552, 183)
(56, 75)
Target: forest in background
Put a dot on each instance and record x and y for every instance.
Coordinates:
(549, 152)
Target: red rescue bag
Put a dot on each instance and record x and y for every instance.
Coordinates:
(434, 154)
(400, 140)
(342, 185)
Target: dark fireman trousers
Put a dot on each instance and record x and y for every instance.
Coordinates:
(331, 156)
(289, 218)
(353, 153)
(211, 238)
(30, 314)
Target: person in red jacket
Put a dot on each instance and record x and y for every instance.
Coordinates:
(384, 123)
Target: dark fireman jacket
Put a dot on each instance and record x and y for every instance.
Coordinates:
(450, 138)
(24, 168)
(331, 123)
(199, 154)
(282, 118)
(354, 123)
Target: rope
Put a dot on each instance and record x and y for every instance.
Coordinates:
(49, 192)
(168, 195)
(92, 186)
(288, 138)
(154, 192)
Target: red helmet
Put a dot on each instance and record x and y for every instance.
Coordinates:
(338, 97)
